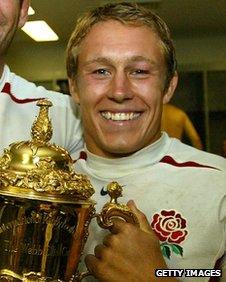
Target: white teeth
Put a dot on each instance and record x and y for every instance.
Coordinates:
(120, 116)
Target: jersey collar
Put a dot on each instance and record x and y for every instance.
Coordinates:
(115, 168)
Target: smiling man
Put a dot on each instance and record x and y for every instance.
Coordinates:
(122, 88)
(122, 69)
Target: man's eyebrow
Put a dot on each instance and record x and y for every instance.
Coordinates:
(102, 60)
(142, 59)
(139, 58)
(133, 59)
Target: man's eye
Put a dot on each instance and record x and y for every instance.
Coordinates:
(140, 72)
(102, 72)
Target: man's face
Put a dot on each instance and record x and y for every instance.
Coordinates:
(120, 82)
(10, 18)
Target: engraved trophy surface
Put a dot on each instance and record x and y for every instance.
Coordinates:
(46, 208)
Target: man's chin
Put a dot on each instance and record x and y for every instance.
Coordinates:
(120, 151)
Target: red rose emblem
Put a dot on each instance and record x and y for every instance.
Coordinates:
(169, 226)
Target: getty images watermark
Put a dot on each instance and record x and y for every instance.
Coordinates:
(188, 272)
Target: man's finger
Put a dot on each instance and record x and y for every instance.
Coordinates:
(91, 263)
(117, 226)
(107, 241)
(144, 224)
(98, 251)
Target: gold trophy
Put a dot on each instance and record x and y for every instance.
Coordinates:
(46, 208)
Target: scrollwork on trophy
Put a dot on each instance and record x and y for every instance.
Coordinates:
(45, 178)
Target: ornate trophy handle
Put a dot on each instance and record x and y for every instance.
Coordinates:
(111, 211)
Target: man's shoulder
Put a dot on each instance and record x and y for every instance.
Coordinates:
(23, 89)
(186, 154)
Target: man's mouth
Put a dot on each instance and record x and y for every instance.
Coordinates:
(120, 116)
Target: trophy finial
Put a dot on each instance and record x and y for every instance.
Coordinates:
(114, 191)
(42, 128)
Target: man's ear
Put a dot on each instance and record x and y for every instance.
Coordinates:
(171, 88)
(74, 90)
(23, 13)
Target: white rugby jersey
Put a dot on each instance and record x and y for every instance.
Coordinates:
(174, 182)
(18, 110)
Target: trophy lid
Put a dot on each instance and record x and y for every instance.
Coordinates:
(39, 170)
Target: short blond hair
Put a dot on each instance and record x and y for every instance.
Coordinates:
(129, 14)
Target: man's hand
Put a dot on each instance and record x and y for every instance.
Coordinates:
(127, 254)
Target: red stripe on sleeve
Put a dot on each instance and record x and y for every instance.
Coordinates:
(7, 90)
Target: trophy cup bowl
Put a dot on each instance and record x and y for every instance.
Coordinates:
(46, 208)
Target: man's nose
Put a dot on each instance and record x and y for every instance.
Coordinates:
(120, 88)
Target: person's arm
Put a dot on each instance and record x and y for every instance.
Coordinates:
(192, 134)
(128, 254)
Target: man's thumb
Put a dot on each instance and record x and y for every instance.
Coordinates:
(144, 224)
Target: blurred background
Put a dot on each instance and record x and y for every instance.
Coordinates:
(198, 29)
